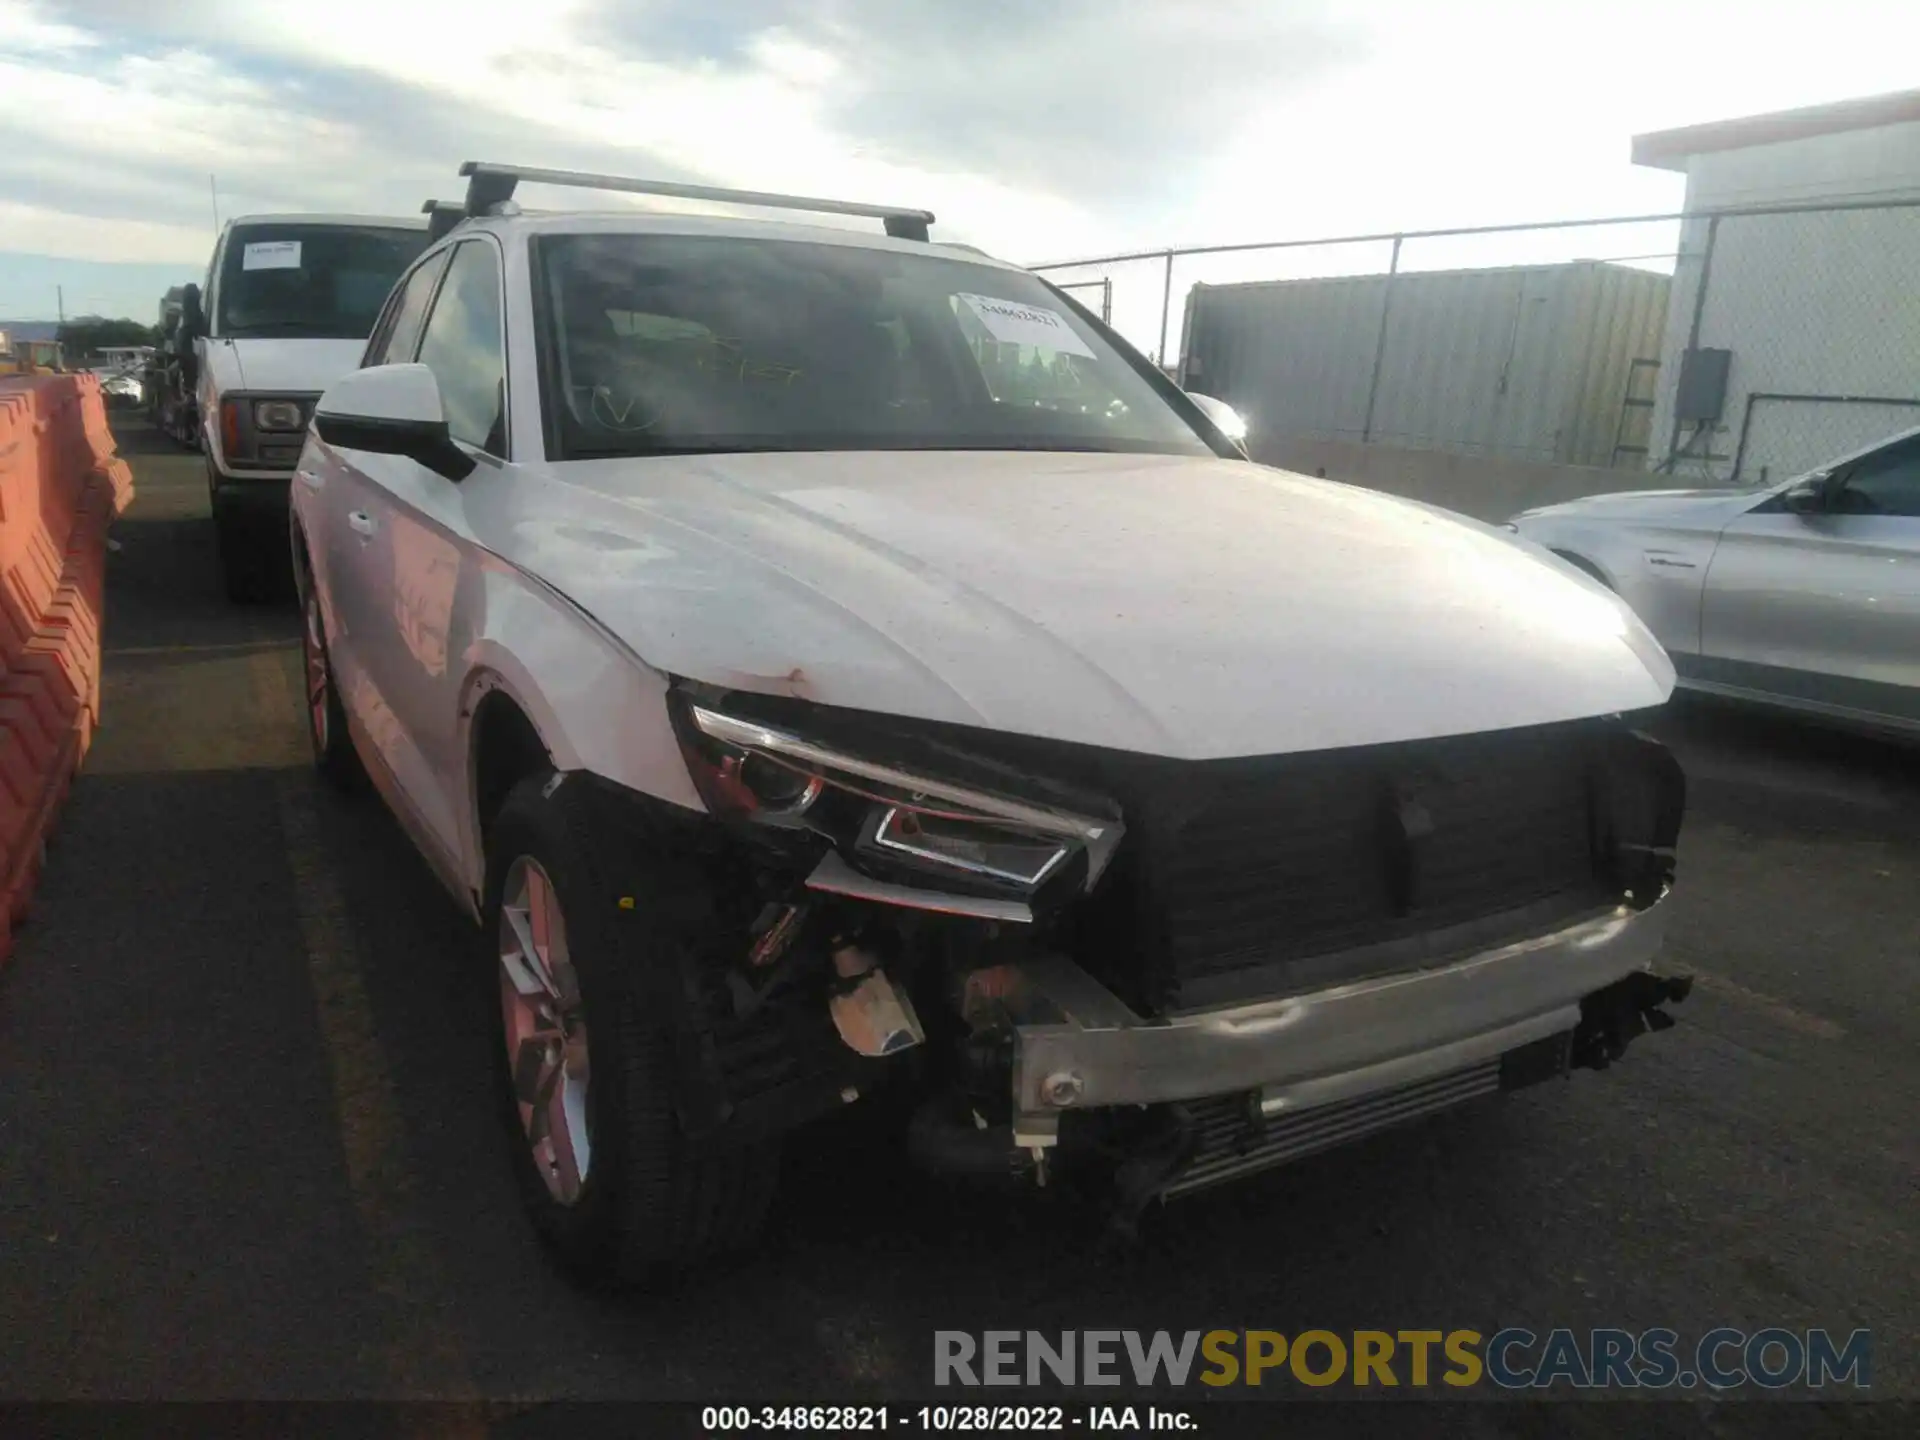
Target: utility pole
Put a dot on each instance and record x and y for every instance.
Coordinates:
(60, 300)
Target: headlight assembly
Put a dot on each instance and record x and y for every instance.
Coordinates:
(969, 845)
(893, 821)
(278, 415)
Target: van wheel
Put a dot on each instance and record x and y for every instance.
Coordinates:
(243, 569)
(333, 753)
(586, 1044)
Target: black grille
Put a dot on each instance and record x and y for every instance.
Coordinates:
(1384, 856)
(1248, 878)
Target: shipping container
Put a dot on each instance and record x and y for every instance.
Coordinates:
(1541, 362)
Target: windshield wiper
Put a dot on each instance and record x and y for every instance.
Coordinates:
(640, 452)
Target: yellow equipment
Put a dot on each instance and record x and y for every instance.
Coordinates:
(31, 357)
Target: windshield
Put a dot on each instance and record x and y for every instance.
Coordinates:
(664, 344)
(310, 281)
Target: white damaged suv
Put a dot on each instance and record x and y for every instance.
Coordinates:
(834, 668)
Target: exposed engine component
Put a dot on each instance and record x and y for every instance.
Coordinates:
(1615, 1017)
(949, 1137)
(872, 1016)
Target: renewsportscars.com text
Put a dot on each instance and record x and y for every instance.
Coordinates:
(1512, 1359)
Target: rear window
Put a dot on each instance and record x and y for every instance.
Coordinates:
(670, 344)
(310, 281)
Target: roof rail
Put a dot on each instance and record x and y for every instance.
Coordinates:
(442, 216)
(489, 184)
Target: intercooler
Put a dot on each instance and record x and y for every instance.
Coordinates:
(1230, 1139)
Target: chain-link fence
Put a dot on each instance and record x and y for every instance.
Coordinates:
(1720, 346)
(1794, 339)
(1096, 295)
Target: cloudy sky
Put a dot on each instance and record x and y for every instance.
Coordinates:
(1039, 129)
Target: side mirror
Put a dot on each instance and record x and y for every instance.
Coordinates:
(1808, 496)
(1227, 420)
(193, 319)
(392, 410)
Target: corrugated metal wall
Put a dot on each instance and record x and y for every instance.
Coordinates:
(1296, 356)
(1531, 362)
(1622, 313)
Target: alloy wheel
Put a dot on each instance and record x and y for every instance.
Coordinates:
(319, 681)
(545, 1026)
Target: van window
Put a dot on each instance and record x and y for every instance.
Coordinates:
(297, 281)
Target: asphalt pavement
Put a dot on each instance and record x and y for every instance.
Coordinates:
(247, 1149)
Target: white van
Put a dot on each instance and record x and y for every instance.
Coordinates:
(288, 305)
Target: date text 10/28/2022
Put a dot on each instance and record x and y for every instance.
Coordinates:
(938, 1419)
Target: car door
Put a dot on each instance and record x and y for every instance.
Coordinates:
(1821, 609)
(422, 551)
(334, 492)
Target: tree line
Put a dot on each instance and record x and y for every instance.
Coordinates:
(86, 335)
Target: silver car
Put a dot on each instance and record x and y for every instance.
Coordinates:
(1803, 594)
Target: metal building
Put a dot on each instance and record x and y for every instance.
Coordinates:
(1813, 312)
(1551, 363)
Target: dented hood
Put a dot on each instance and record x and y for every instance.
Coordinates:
(1193, 608)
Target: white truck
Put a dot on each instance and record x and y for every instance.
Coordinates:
(286, 310)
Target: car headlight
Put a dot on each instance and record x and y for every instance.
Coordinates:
(880, 816)
(973, 845)
(278, 415)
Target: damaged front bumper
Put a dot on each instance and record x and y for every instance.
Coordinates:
(1078, 1047)
(965, 913)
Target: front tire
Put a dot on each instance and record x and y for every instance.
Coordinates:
(244, 573)
(586, 1045)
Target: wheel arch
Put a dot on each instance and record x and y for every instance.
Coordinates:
(548, 691)
(302, 554)
(1585, 565)
(504, 747)
(506, 730)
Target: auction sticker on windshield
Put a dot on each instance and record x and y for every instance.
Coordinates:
(271, 255)
(1016, 324)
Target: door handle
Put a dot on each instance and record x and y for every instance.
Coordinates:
(360, 521)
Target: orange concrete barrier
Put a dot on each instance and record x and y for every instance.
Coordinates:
(60, 487)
